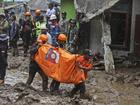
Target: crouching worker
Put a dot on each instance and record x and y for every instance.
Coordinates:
(84, 63)
(34, 67)
(61, 41)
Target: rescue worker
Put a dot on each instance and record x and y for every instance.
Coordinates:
(54, 29)
(34, 67)
(38, 20)
(26, 32)
(84, 63)
(14, 35)
(64, 23)
(54, 87)
(37, 16)
(3, 46)
(62, 38)
(72, 36)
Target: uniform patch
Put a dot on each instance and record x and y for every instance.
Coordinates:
(52, 56)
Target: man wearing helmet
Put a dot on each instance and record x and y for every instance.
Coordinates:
(34, 67)
(37, 20)
(37, 16)
(27, 27)
(3, 46)
(54, 29)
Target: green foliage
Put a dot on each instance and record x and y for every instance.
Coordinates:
(68, 6)
(1, 1)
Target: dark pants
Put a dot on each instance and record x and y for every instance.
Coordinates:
(26, 37)
(3, 65)
(33, 69)
(13, 44)
(3, 58)
(54, 85)
(79, 87)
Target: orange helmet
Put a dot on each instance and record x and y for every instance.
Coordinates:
(43, 38)
(38, 12)
(62, 37)
(27, 14)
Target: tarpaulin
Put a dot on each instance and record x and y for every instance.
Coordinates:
(59, 64)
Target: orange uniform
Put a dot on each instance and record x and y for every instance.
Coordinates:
(85, 63)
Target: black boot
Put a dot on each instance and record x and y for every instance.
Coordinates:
(74, 91)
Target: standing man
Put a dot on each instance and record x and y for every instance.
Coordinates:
(50, 11)
(72, 36)
(54, 29)
(37, 16)
(64, 23)
(3, 46)
(26, 32)
(57, 11)
(14, 35)
(37, 23)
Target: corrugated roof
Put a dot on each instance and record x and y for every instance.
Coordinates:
(93, 8)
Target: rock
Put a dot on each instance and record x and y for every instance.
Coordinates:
(126, 76)
(95, 97)
(137, 83)
(137, 77)
(129, 79)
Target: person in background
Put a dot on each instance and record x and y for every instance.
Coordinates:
(3, 46)
(37, 19)
(14, 35)
(64, 23)
(57, 11)
(54, 29)
(27, 27)
(44, 31)
(72, 36)
(37, 16)
(50, 11)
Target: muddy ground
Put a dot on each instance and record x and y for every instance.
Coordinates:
(105, 89)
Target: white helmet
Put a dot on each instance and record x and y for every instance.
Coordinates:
(52, 17)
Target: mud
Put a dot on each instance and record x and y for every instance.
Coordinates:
(121, 89)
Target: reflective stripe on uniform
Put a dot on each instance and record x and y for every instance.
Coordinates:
(38, 28)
